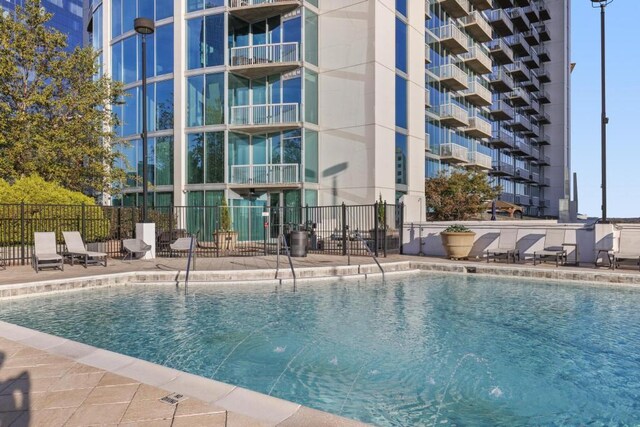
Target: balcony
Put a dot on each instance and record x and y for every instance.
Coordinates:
(518, 44)
(500, 110)
(500, 80)
(543, 97)
(519, 71)
(452, 39)
(519, 19)
(520, 148)
(543, 10)
(500, 52)
(478, 160)
(543, 118)
(455, 8)
(521, 199)
(500, 21)
(532, 37)
(452, 76)
(502, 169)
(453, 115)
(482, 4)
(519, 97)
(504, 4)
(427, 98)
(427, 9)
(532, 12)
(535, 131)
(262, 60)
(453, 153)
(271, 174)
(543, 75)
(533, 84)
(532, 61)
(543, 30)
(544, 160)
(477, 60)
(265, 118)
(478, 128)
(521, 3)
(532, 108)
(543, 54)
(535, 177)
(520, 123)
(543, 139)
(476, 25)
(501, 137)
(259, 10)
(427, 54)
(477, 94)
(535, 153)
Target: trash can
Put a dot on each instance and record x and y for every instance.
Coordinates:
(298, 241)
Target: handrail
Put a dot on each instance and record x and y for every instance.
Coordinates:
(371, 254)
(286, 247)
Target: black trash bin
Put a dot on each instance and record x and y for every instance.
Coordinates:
(298, 241)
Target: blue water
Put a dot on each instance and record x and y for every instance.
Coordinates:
(428, 350)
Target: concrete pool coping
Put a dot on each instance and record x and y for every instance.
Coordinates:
(262, 408)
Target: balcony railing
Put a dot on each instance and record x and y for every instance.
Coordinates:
(452, 76)
(480, 160)
(476, 25)
(454, 153)
(254, 10)
(265, 114)
(500, 21)
(500, 110)
(478, 94)
(455, 8)
(519, 71)
(477, 60)
(264, 54)
(265, 174)
(452, 38)
(427, 98)
(453, 115)
(500, 80)
(478, 127)
(482, 4)
(500, 52)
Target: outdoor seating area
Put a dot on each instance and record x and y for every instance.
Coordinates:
(628, 249)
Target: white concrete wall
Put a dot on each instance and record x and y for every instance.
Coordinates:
(531, 234)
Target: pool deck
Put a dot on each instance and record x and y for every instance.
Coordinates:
(51, 381)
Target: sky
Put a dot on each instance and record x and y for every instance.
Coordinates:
(623, 107)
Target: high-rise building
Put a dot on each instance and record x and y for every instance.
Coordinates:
(290, 102)
(67, 17)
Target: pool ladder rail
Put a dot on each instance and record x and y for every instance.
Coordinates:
(186, 244)
(282, 240)
(357, 237)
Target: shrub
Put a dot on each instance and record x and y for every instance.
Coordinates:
(457, 228)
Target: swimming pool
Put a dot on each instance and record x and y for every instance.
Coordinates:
(424, 350)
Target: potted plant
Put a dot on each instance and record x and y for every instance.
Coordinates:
(457, 241)
(225, 237)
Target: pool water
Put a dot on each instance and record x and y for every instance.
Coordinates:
(424, 350)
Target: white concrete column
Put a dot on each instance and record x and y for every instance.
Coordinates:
(147, 232)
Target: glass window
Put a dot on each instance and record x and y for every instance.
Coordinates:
(292, 90)
(164, 105)
(311, 37)
(150, 55)
(214, 99)
(116, 18)
(401, 6)
(151, 108)
(164, 9)
(146, 8)
(292, 30)
(215, 36)
(401, 45)
(96, 34)
(238, 149)
(164, 49)
(129, 13)
(310, 96)
(116, 61)
(195, 158)
(401, 102)
(130, 60)
(195, 100)
(292, 147)
(215, 156)
(311, 197)
(164, 160)
(130, 113)
(310, 156)
(259, 32)
(195, 40)
(193, 5)
(259, 146)
(275, 29)
(238, 90)
(401, 158)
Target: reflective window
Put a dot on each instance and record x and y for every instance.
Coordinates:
(130, 113)
(146, 8)
(195, 158)
(163, 151)
(401, 6)
(164, 105)
(193, 5)
(292, 30)
(128, 14)
(310, 97)
(116, 18)
(311, 37)
(205, 41)
(159, 161)
(164, 9)
(164, 50)
(214, 157)
(130, 60)
(116, 61)
(205, 100)
(96, 32)
(195, 101)
(401, 158)
(401, 102)
(292, 90)
(401, 45)
(292, 147)
(311, 156)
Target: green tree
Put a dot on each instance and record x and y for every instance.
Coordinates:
(458, 196)
(55, 115)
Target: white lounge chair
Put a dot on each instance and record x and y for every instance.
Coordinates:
(553, 240)
(506, 246)
(76, 248)
(185, 244)
(628, 248)
(135, 247)
(44, 251)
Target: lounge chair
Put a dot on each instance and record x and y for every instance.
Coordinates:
(44, 252)
(76, 248)
(553, 240)
(134, 247)
(185, 244)
(628, 248)
(506, 246)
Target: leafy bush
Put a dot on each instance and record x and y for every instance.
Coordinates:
(47, 207)
(458, 196)
(457, 228)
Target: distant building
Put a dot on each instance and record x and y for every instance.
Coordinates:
(67, 17)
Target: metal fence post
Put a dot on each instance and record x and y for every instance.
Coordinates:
(401, 224)
(376, 244)
(22, 248)
(344, 229)
(384, 230)
(83, 220)
(119, 228)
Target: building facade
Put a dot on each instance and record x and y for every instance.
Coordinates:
(295, 102)
(67, 17)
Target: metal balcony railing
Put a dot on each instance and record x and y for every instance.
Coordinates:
(476, 25)
(500, 51)
(477, 94)
(500, 80)
(265, 114)
(254, 10)
(453, 115)
(454, 152)
(452, 38)
(455, 8)
(265, 174)
(479, 127)
(480, 160)
(264, 54)
(452, 76)
(500, 21)
(477, 60)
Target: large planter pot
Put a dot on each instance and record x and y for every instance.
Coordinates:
(457, 245)
(226, 240)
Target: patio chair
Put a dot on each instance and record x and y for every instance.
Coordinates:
(44, 252)
(553, 240)
(628, 248)
(183, 244)
(76, 248)
(134, 247)
(506, 246)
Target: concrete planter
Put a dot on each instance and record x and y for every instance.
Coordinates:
(457, 245)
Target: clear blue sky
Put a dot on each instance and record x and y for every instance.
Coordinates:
(623, 107)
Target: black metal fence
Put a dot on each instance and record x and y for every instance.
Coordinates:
(220, 231)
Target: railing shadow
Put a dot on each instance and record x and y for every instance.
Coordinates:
(15, 398)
